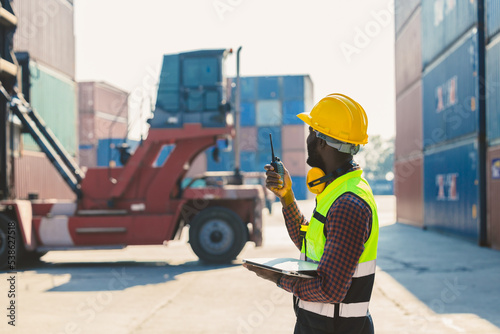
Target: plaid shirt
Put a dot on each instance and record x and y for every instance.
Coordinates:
(348, 227)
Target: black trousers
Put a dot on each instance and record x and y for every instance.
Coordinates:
(312, 323)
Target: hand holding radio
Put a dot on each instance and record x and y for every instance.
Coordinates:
(276, 163)
(277, 178)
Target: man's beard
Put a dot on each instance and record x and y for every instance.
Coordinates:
(314, 159)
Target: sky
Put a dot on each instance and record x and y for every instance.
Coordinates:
(346, 46)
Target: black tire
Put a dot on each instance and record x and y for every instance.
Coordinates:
(32, 257)
(9, 245)
(217, 235)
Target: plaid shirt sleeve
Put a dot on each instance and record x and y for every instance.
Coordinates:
(293, 219)
(348, 226)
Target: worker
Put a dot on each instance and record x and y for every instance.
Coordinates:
(342, 234)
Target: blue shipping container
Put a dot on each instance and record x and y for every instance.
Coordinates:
(170, 72)
(248, 162)
(226, 161)
(443, 22)
(247, 115)
(168, 100)
(264, 158)
(493, 92)
(492, 17)
(201, 71)
(169, 85)
(248, 88)
(290, 111)
(293, 87)
(268, 113)
(382, 187)
(299, 187)
(190, 90)
(451, 94)
(263, 143)
(402, 12)
(268, 87)
(451, 199)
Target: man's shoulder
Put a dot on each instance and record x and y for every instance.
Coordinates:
(350, 200)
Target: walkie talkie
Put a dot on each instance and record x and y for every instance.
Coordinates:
(276, 163)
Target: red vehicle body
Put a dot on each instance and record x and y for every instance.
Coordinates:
(142, 204)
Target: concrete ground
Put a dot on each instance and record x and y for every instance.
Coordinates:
(425, 283)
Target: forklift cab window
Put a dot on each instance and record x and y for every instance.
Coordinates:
(163, 155)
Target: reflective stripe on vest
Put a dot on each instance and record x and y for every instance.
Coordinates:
(356, 301)
(328, 310)
(365, 268)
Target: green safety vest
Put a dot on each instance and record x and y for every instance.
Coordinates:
(314, 243)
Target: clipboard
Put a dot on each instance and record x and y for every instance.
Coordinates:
(286, 266)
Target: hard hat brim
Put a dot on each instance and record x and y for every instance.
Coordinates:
(305, 117)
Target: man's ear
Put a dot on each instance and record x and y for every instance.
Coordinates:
(322, 143)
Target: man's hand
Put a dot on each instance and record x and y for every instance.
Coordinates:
(280, 187)
(263, 273)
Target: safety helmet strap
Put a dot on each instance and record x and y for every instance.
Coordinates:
(343, 147)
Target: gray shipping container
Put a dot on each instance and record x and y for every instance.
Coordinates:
(46, 30)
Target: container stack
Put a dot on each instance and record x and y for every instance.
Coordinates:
(493, 120)
(451, 55)
(269, 105)
(103, 116)
(45, 44)
(191, 90)
(408, 165)
(460, 135)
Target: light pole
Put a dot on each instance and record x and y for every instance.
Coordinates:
(237, 162)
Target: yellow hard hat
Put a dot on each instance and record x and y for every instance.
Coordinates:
(339, 117)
